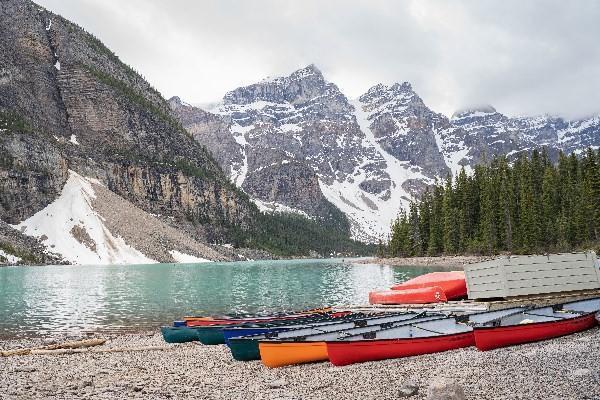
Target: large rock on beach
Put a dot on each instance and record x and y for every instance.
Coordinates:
(445, 389)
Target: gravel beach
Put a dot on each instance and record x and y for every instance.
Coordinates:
(564, 368)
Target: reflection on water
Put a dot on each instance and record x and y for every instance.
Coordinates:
(47, 301)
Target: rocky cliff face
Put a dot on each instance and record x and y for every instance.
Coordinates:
(68, 103)
(300, 147)
(291, 141)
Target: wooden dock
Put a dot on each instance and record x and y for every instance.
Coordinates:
(472, 306)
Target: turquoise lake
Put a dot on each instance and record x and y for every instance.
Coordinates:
(73, 300)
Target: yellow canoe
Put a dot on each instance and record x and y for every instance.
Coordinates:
(280, 354)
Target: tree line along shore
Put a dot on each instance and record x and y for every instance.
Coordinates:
(527, 206)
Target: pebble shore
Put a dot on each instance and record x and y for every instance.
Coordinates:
(564, 368)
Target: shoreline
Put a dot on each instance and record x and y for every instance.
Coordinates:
(438, 261)
(565, 367)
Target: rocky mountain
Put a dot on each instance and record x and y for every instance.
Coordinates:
(76, 121)
(299, 147)
(297, 143)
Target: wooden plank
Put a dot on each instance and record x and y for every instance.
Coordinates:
(538, 300)
(489, 286)
(484, 265)
(548, 266)
(534, 283)
(468, 283)
(486, 294)
(543, 259)
(553, 288)
(484, 273)
(478, 280)
(551, 273)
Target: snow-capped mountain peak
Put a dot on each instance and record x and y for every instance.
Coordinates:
(296, 143)
(474, 112)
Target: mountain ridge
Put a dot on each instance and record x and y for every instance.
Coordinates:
(388, 130)
(68, 105)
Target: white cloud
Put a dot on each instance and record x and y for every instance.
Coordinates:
(522, 57)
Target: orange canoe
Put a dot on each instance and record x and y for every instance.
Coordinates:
(452, 283)
(281, 354)
(425, 295)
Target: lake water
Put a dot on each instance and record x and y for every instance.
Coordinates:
(57, 300)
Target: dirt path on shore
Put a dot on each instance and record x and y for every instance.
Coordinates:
(565, 368)
(444, 261)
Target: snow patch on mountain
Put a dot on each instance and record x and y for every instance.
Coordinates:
(70, 227)
(239, 172)
(186, 258)
(453, 149)
(274, 207)
(370, 214)
(12, 259)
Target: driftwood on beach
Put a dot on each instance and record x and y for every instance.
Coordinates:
(79, 346)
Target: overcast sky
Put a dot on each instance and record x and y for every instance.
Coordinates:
(523, 57)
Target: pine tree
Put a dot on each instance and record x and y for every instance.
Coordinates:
(415, 230)
(436, 223)
(549, 209)
(463, 210)
(450, 218)
(424, 209)
(487, 221)
(505, 205)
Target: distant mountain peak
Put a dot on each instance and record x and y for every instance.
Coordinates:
(398, 94)
(308, 71)
(474, 111)
(305, 85)
(402, 87)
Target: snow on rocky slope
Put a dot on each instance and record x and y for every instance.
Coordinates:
(296, 144)
(82, 225)
(70, 227)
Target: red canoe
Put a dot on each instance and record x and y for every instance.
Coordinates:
(408, 296)
(530, 326)
(405, 341)
(452, 283)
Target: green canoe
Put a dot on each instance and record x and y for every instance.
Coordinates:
(210, 334)
(179, 334)
(244, 348)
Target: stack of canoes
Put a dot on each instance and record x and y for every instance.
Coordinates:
(434, 287)
(210, 330)
(353, 337)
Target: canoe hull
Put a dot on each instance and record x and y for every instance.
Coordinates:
(243, 349)
(408, 296)
(351, 352)
(180, 334)
(210, 335)
(280, 354)
(488, 338)
(452, 283)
